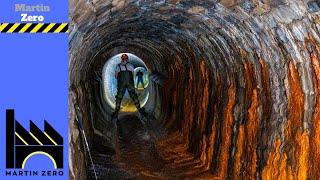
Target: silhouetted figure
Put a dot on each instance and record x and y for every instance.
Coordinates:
(124, 74)
(140, 78)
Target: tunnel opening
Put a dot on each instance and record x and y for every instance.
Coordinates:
(225, 88)
(109, 81)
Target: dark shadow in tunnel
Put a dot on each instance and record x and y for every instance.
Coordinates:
(137, 146)
(129, 125)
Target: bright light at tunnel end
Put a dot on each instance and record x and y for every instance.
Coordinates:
(110, 83)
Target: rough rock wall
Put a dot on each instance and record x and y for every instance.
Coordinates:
(243, 79)
(76, 152)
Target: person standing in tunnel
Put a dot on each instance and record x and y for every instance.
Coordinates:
(124, 75)
(140, 78)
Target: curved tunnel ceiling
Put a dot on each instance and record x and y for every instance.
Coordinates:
(241, 89)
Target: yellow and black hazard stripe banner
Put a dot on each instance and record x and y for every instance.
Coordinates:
(33, 27)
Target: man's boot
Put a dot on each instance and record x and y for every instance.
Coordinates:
(114, 114)
(116, 111)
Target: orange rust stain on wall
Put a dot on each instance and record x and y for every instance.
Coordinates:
(226, 134)
(239, 153)
(295, 103)
(245, 164)
(251, 134)
(293, 161)
(249, 161)
(302, 155)
(315, 134)
(276, 167)
(296, 139)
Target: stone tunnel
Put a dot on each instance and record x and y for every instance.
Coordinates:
(238, 95)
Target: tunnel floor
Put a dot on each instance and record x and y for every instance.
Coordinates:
(142, 153)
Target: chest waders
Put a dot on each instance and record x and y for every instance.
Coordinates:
(125, 82)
